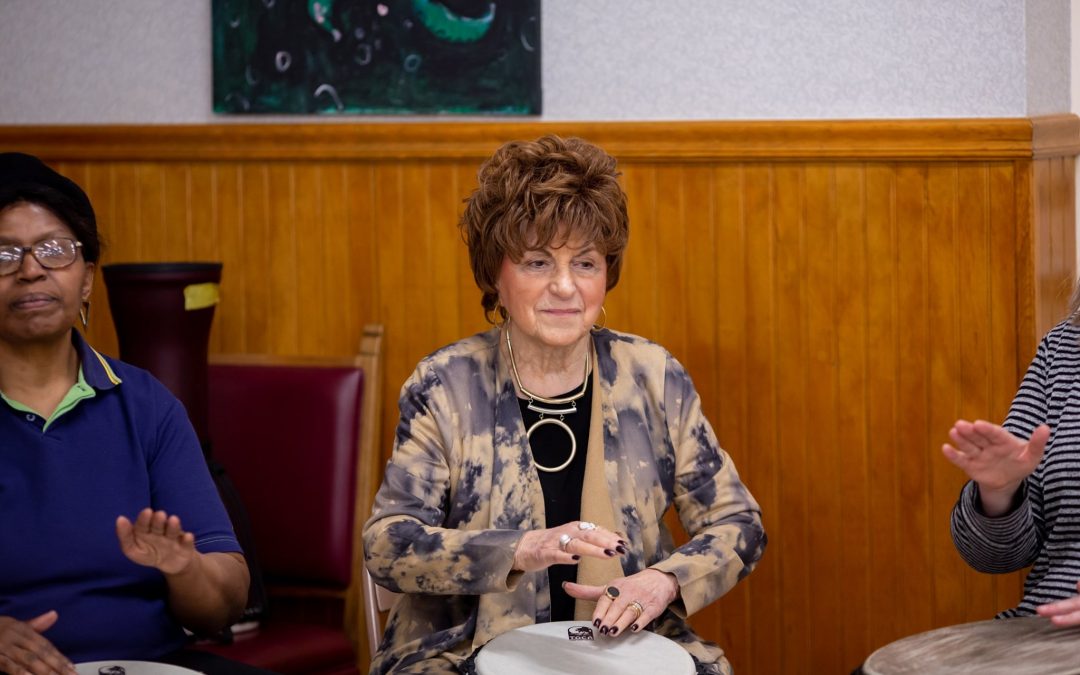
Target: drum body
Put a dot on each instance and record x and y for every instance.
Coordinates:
(1024, 646)
(564, 647)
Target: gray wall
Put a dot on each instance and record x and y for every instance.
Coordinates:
(148, 61)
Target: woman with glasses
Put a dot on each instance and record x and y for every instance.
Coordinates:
(534, 462)
(112, 533)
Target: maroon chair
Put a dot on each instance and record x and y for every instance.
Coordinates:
(297, 437)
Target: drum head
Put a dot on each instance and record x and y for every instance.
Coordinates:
(565, 647)
(1025, 646)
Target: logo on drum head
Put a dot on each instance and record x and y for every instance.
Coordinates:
(112, 670)
(579, 633)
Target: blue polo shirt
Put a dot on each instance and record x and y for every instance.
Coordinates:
(125, 444)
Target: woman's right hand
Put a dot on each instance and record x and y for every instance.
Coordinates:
(995, 459)
(540, 549)
(24, 650)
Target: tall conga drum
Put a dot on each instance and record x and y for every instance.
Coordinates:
(1023, 646)
(562, 647)
(162, 313)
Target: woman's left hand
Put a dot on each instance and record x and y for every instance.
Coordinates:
(640, 598)
(157, 540)
(1063, 612)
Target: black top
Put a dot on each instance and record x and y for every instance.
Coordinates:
(550, 446)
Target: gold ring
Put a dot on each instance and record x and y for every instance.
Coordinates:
(637, 606)
(611, 592)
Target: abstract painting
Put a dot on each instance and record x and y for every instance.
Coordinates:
(377, 56)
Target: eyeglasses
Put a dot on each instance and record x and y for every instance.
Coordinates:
(52, 254)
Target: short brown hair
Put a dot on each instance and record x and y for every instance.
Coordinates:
(532, 192)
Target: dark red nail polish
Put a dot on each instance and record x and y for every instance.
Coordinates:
(620, 549)
(603, 630)
(623, 543)
(634, 627)
(576, 557)
(614, 630)
(596, 623)
(608, 552)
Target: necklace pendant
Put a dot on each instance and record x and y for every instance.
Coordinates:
(551, 411)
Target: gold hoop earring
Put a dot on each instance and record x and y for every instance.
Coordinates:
(603, 322)
(497, 310)
(84, 313)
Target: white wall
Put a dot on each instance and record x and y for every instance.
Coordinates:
(148, 61)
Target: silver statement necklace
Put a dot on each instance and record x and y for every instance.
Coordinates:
(544, 411)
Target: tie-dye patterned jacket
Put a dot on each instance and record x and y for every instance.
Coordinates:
(460, 490)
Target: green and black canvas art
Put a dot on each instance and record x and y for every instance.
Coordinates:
(385, 57)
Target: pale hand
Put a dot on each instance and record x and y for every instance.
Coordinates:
(24, 650)
(1063, 612)
(992, 456)
(540, 549)
(156, 540)
(652, 589)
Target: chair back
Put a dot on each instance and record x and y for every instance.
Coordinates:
(296, 435)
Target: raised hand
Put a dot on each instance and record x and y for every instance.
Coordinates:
(995, 459)
(565, 545)
(157, 540)
(24, 650)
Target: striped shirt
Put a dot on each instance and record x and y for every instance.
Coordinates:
(1043, 530)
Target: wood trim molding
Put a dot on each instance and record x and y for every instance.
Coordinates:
(1055, 136)
(945, 139)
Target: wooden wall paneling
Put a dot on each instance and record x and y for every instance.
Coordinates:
(313, 278)
(255, 245)
(763, 470)
(230, 317)
(883, 455)
(176, 235)
(824, 461)
(443, 208)
(417, 271)
(912, 606)
(334, 245)
(852, 438)
(277, 250)
(390, 262)
(633, 302)
(470, 312)
(788, 349)
(669, 234)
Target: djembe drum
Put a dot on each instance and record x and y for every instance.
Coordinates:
(1024, 646)
(562, 647)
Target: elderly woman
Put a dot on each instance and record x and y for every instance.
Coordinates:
(1022, 502)
(534, 462)
(99, 465)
